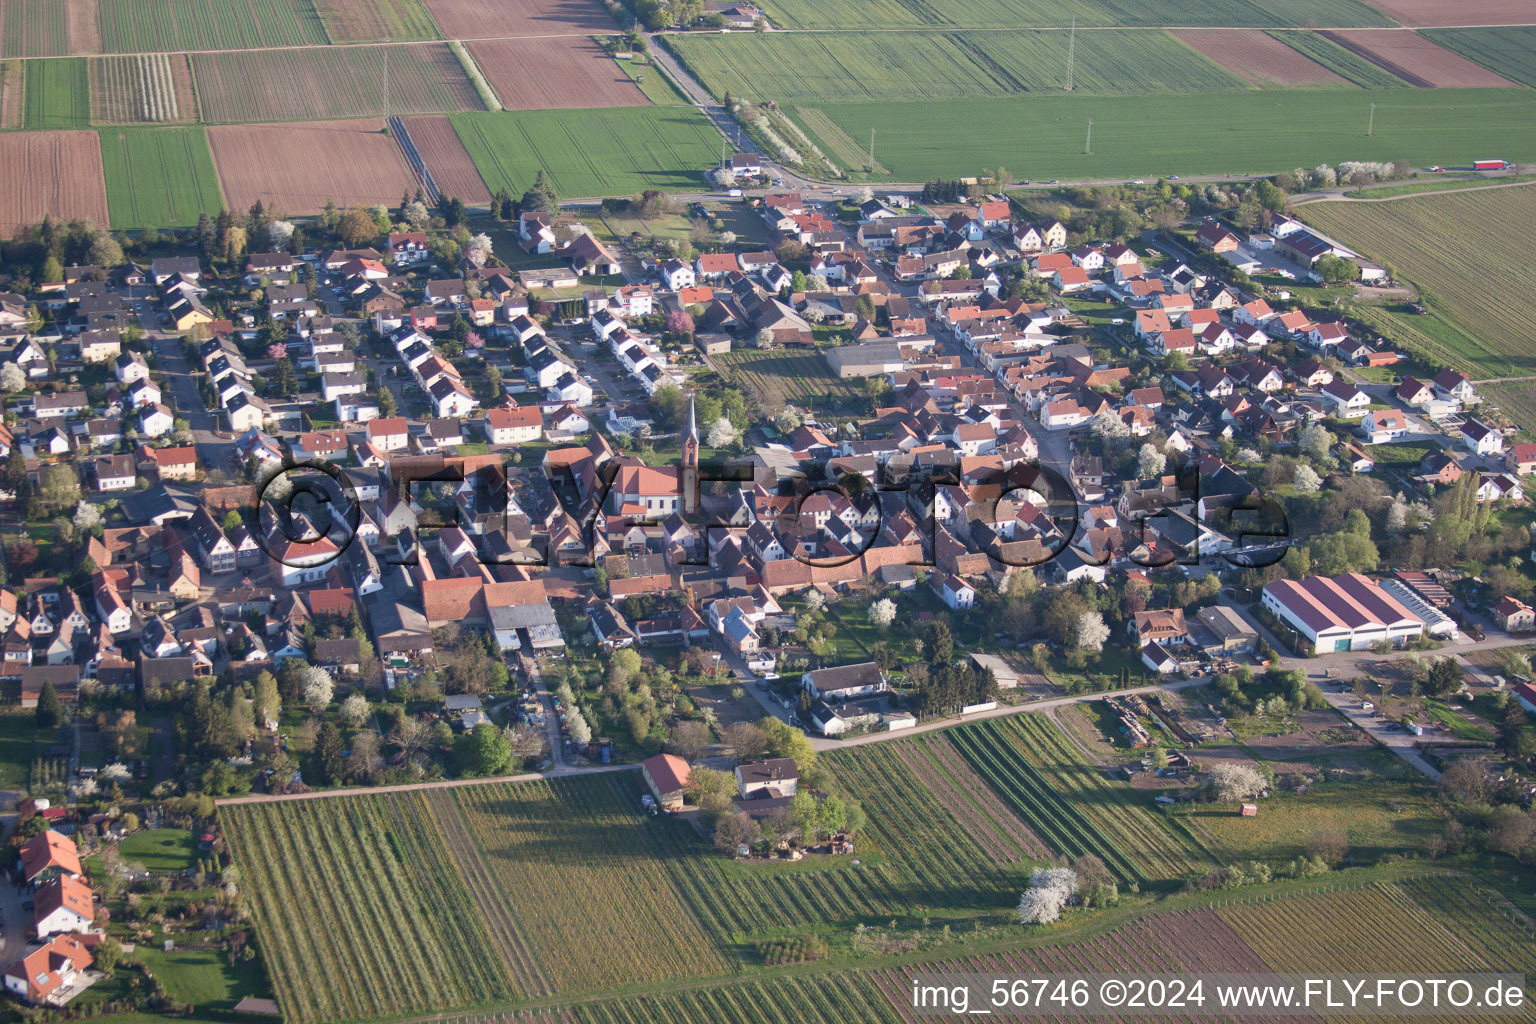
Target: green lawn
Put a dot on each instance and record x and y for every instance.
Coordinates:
(58, 94)
(1231, 133)
(1458, 726)
(16, 735)
(203, 977)
(602, 152)
(159, 849)
(159, 177)
(658, 88)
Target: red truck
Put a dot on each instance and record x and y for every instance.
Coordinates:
(1489, 165)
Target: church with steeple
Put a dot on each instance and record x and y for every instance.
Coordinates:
(689, 477)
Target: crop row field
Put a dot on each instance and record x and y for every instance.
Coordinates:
(142, 88)
(603, 152)
(375, 21)
(1426, 13)
(13, 93)
(495, 19)
(1346, 63)
(33, 28)
(574, 862)
(549, 74)
(158, 177)
(58, 94)
(299, 168)
(149, 26)
(325, 83)
(776, 377)
(1448, 245)
(1068, 801)
(1045, 136)
(1260, 58)
(808, 68)
(57, 173)
(446, 159)
(1007, 14)
(1510, 52)
(359, 886)
(1417, 60)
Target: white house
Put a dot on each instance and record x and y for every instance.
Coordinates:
(1380, 426)
(677, 275)
(955, 592)
(155, 421)
(1479, 437)
(63, 905)
(1345, 400)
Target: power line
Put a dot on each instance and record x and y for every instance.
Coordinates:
(1088, 144)
(871, 150)
(1370, 126)
(1071, 52)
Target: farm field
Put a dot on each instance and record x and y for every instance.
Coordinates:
(331, 82)
(359, 885)
(56, 173)
(375, 21)
(801, 378)
(33, 28)
(1510, 52)
(1517, 400)
(159, 177)
(1468, 12)
(1070, 803)
(580, 914)
(807, 68)
(603, 152)
(1260, 58)
(297, 169)
(13, 93)
(1042, 136)
(1422, 186)
(58, 94)
(1346, 63)
(1417, 60)
(446, 158)
(1447, 245)
(995, 14)
(148, 26)
(491, 19)
(142, 88)
(546, 74)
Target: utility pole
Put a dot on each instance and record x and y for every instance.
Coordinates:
(1071, 52)
(1370, 126)
(1088, 144)
(871, 150)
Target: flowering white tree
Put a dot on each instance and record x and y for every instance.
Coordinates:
(479, 250)
(279, 233)
(87, 516)
(318, 686)
(1108, 424)
(722, 433)
(354, 710)
(1315, 441)
(1150, 461)
(883, 612)
(581, 732)
(1235, 781)
(1091, 632)
(1306, 480)
(1048, 892)
(1247, 455)
(12, 378)
(815, 601)
(115, 772)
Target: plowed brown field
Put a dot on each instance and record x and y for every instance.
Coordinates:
(1260, 58)
(490, 19)
(1417, 60)
(446, 158)
(548, 74)
(297, 169)
(1444, 13)
(57, 173)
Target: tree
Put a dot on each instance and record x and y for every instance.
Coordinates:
(784, 740)
(365, 760)
(1306, 480)
(541, 197)
(481, 752)
(1466, 780)
(12, 379)
(722, 434)
(106, 955)
(736, 830)
(1315, 442)
(1331, 844)
(267, 705)
(317, 686)
(354, 710)
(479, 251)
(746, 740)
(1150, 461)
(679, 321)
(1048, 893)
(87, 516)
(1091, 632)
(1230, 782)
(581, 732)
(50, 710)
(1444, 676)
(330, 761)
(689, 739)
(357, 228)
(882, 612)
(59, 485)
(1334, 270)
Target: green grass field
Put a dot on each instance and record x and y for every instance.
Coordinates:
(132, 26)
(158, 177)
(1343, 62)
(1509, 51)
(16, 734)
(159, 849)
(992, 14)
(658, 88)
(807, 68)
(603, 152)
(1231, 133)
(33, 28)
(1440, 243)
(801, 378)
(1379, 818)
(381, 21)
(1426, 185)
(58, 94)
